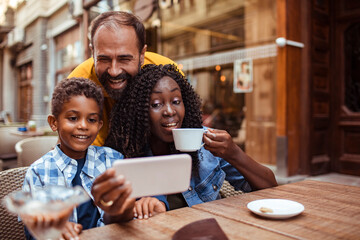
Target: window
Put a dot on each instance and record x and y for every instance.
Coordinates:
(68, 53)
(25, 93)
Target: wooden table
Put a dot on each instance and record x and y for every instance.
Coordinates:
(332, 211)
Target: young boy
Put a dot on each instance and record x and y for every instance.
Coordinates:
(76, 116)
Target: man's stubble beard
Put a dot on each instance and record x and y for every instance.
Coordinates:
(116, 94)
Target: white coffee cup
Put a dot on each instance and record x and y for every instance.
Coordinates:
(188, 139)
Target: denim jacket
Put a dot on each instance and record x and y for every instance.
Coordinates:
(205, 187)
(212, 171)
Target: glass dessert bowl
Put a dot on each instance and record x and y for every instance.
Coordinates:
(45, 211)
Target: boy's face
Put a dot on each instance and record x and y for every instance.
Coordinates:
(77, 124)
(167, 109)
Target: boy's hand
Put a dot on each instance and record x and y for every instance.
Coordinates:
(71, 231)
(147, 207)
(37, 224)
(111, 193)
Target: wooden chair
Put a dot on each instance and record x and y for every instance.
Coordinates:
(31, 149)
(11, 180)
(227, 190)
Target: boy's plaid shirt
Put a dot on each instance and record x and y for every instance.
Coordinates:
(56, 168)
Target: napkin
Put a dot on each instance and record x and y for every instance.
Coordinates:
(206, 229)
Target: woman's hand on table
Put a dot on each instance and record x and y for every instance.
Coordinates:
(147, 207)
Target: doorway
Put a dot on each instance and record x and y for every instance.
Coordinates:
(346, 89)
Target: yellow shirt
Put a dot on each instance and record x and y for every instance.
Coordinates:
(87, 70)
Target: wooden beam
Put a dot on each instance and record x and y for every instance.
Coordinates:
(281, 71)
(289, 77)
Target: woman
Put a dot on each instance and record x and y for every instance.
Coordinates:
(158, 100)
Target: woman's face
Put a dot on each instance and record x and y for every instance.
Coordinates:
(167, 109)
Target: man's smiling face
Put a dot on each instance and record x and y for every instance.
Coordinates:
(117, 57)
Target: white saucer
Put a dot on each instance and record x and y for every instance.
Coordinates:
(281, 208)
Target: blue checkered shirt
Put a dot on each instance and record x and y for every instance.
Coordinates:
(56, 168)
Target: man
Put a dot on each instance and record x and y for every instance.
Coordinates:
(118, 51)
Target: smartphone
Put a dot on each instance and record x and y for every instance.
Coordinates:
(156, 175)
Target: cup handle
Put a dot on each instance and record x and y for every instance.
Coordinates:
(205, 131)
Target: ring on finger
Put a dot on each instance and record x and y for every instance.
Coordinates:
(106, 204)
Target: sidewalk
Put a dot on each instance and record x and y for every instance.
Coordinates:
(338, 178)
(328, 177)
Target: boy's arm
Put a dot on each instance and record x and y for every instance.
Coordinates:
(32, 178)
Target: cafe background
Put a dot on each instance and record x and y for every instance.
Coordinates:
(303, 114)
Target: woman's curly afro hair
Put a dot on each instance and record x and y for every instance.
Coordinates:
(130, 121)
